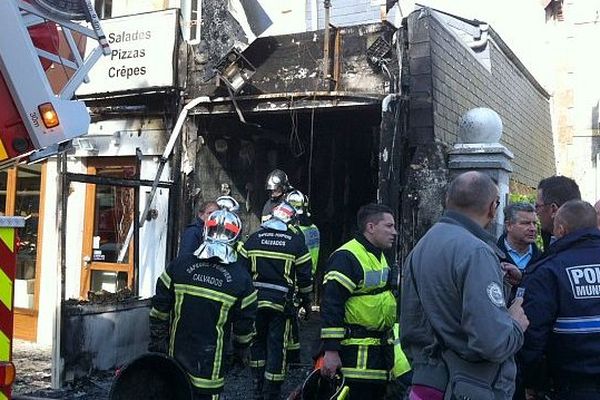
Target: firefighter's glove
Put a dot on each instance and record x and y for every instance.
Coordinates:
(159, 338)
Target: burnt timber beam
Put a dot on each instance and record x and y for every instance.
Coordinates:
(286, 101)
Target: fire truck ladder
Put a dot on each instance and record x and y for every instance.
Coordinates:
(23, 72)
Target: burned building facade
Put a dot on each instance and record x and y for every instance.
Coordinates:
(356, 114)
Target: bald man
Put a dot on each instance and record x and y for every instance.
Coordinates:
(454, 317)
(562, 301)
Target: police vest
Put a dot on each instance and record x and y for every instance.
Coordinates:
(312, 238)
(371, 305)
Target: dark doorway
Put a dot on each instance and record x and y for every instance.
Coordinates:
(330, 155)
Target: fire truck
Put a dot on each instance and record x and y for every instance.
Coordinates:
(38, 120)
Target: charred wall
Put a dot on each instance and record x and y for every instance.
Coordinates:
(294, 63)
(329, 155)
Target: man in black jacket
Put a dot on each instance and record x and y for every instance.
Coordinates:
(279, 261)
(518, 244)
(518, 239)
(193, 236)
(552, 193)
(562, 301)
(277, 186)
(197, 300)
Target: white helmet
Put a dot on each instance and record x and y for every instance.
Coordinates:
(281, 215)
(297, 200)
(221, 230)
(228, 203)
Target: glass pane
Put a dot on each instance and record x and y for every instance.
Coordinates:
(109, 281)
(113, 218)
(27, 204)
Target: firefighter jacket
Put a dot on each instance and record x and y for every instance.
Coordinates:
(270, 204)
(192, 237)
(358, 311)
(278, 261)
(561, 301)
(312, 238)
(199, 300)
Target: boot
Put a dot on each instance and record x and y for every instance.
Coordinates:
(258, 380)
(272, 390)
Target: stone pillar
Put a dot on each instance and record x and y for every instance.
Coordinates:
(478, 149)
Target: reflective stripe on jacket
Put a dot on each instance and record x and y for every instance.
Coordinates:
(359, 311)
(371, 304)
(192, 290)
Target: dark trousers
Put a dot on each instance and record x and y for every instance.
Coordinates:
(578, 395)
(577, 387)
(268, 350)
(374, 358)
(293, 343)
(202, 396)
(366, 390)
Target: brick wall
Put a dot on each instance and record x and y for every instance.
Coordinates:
(448, 79)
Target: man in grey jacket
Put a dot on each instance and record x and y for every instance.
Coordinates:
(456, 328)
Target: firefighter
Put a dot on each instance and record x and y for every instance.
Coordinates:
(279, 261)
(211, 285)
(358, 309)
(278, 186)
(311, 236)
(193, 235)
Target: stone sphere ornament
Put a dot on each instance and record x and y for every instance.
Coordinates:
(479, 125)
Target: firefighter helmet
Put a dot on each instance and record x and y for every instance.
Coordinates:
(221, 229)
(297, 200)
(228, 203)
(222, 226)
(281, 215)
(319, 387)
(277, 179)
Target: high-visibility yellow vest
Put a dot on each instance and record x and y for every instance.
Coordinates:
(375, 311)
(401, 364)
(312, 238)
(370, 305)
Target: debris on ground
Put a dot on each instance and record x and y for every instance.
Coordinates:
(33, 364)
(103, 297)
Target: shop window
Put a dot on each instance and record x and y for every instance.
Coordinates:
(108, 238)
